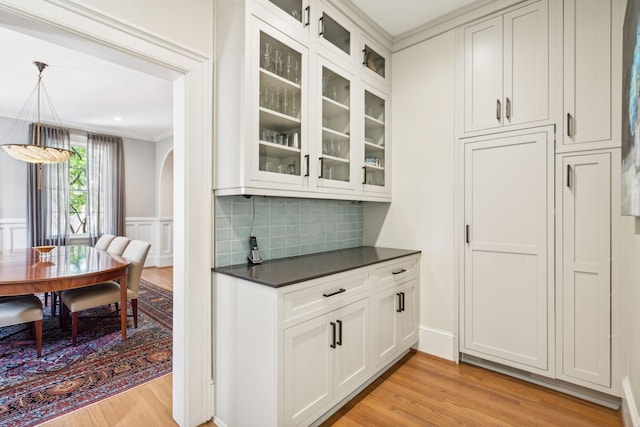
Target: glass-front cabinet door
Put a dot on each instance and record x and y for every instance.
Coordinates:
(335, 32)
(279, 107)
(374, 62)
(335, 143)
(295, 12)
(375, 141)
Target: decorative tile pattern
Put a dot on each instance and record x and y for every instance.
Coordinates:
(284, 226)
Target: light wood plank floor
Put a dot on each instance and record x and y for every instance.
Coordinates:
(419, 391)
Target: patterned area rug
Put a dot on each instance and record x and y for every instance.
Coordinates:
(67, 378)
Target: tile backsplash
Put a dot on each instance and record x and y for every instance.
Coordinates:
(284, 226)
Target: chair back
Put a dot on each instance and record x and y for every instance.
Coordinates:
(104, 241)
(136, 252)
(118, 245)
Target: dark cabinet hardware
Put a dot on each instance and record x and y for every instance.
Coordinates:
(569, 125)
(321, 26)
(508, 109)
(402, 270)
(339, 322)
(569, 176)
(466, 233)
(402, 301)
(306, 156)
(321, 167)
(308, 10)
(333, 328)
(498, 110)
(339, 291)
(364, 174)
(399, 309)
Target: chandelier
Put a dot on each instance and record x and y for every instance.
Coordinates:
(35, 152)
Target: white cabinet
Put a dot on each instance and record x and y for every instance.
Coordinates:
(295, 353)
(288, 91)
(508, 272)
(584, 268)
(506, 69)
(324, 358)
(376, 157)
(587, 73)
(395, 320)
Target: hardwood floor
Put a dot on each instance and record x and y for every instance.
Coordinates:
(426, 391)
(421, 390)
(162, 277)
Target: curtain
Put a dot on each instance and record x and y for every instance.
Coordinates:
(48, 192)
(105, 186)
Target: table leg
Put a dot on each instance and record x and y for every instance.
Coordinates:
(123, 306)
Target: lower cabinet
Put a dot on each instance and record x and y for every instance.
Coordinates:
(324, 358)
(395, 321)
(288, 356)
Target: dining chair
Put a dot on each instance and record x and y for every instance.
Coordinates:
(23, 309)
(76, 300)
(118, 245)
(104, 241)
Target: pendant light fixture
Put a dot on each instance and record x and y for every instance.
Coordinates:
(35, 152)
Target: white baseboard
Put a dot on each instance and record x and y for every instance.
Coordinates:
(629, 408)
(436, 342)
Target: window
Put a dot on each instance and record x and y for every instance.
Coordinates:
(78, 188)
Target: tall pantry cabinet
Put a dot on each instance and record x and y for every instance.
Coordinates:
(558, 320)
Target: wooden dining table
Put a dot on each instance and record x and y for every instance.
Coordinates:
(25, 271)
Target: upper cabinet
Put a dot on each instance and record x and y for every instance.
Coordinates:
(587, 74)
(302, 98)
(506, 71)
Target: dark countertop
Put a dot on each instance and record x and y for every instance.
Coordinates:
(288, 271)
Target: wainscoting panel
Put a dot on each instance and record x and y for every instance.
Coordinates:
(13, 233)
(158, 232)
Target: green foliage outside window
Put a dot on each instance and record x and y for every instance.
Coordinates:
(78, 190)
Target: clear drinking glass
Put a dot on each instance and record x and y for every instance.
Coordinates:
(266, 56)
(288, 64)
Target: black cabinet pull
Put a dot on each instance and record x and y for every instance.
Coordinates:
(321, 167)
(466, 233)
(508, 108)
(569, 176)
(399, 309)
(498, 110)
(402, 301)
(333, 327)
(364, 56)
(308, 10)
(402, 270)
(321, 26)
(339, 291)
(364, 174)
(339, 322)
(569, 123)
(306, 156)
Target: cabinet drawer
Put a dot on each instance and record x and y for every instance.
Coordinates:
(396, 271)
(323, 295)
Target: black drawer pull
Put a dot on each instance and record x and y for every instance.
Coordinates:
(339, 322)
(339, 291)
(402, 270)
(399, 309)
(333, 328)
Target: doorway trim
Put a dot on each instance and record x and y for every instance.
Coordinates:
(77, 27)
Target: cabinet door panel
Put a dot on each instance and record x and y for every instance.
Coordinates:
(483, 75)
(308, 367)
(505, 278)
(526, 74)
(587, 75)
(351, 354)
(385, 338)
(586, 283)
(408, 317)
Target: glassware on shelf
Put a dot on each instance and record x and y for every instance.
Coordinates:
(288, 64)
(266, 56)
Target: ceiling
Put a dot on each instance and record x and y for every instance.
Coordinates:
(399, 16)
(88, 93)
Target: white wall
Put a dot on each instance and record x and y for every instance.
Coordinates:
(140, 177)
(422, 211)
(13, 198)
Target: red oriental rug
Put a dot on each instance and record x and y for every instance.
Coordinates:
(66, 378)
